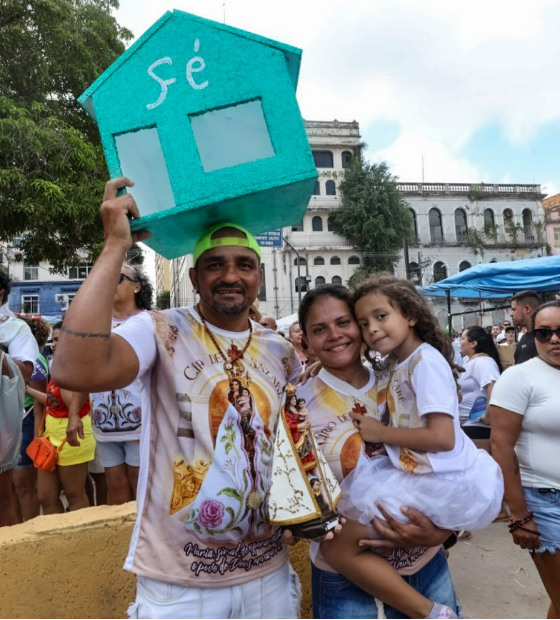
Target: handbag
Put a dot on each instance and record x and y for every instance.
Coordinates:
(12, 393)
(41, 451)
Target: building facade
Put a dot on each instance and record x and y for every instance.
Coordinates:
(162, 271)
(35, 289)
(551, 208)
(458, 225)
(455, 226)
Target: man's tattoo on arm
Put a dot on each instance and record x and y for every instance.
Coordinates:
(83, 335)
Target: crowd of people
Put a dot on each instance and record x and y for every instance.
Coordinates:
(96, 435)
(182, 406)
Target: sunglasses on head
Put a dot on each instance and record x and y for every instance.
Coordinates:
(544, 334)
(123, 276)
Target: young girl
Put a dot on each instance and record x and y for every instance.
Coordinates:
(429, 460)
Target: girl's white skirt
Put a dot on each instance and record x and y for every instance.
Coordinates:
(466, 500)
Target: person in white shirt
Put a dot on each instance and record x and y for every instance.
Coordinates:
(482, 369)
(17, 340)
(117, 414)
(526, 443)
(15, 334)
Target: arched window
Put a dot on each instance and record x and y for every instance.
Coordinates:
(464, 265)
(414, 224)
(440, 271)
(323, 159)
(317, 189)
(298, 227)
(489, 219)
(319, 260)
(301, 260)
(317, 224)
(336, 280)
(354, 260)
(330, 188)
(335, 260)
(329, 223)
(301, 284)
(319, 280)
(436, 226)
(414, 272)
(346, 157)
(461, 225)
(528, 224)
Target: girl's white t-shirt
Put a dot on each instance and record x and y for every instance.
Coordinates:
(532, 389)
(422, 384)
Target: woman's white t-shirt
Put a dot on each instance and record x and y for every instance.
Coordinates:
(479, 372)
(532, 389)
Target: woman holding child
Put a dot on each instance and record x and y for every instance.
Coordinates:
(347, 397)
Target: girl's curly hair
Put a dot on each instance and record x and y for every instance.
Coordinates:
(403, 296)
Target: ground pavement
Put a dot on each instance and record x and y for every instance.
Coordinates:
(495, 578)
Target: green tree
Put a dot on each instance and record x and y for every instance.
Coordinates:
(163, 300)
(52, 169)
(374, 217)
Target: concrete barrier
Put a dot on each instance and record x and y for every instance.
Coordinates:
(70, 566)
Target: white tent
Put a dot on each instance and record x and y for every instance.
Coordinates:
(285, 322)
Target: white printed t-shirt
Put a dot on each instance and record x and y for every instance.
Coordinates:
(117, 415)
(421, 384)
(204, 463)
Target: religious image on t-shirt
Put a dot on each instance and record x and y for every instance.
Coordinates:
(117, 411)
(225, 490)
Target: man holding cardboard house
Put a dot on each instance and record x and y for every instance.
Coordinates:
(202, 544)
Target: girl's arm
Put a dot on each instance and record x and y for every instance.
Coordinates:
(74, 401)
(437, 436)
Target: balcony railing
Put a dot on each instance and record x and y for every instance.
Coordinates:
(522, 238)
(467, 188)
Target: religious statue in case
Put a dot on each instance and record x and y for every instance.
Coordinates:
(304, 492)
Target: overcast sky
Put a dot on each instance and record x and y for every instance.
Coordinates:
(472, 87)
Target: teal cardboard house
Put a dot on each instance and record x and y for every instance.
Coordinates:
(203, 118)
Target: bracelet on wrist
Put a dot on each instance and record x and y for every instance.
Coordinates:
(518, 524)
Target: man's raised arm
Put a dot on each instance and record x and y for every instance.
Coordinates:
(88, 357)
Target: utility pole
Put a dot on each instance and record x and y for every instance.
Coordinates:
(298, 270)
(406, 259)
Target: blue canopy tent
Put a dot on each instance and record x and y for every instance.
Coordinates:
(499, 280)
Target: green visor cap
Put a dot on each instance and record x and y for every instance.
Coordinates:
(205, 241)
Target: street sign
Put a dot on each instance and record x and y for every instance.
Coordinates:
(271, 239)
